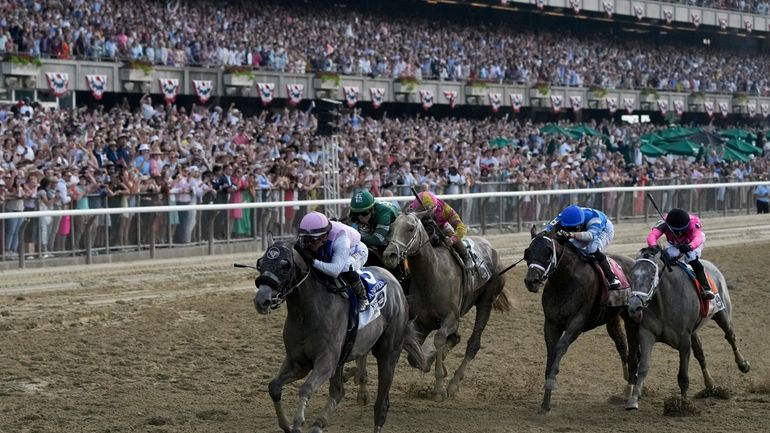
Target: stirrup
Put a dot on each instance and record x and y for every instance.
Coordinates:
(363, 305)
(614, 284)
(706, 294)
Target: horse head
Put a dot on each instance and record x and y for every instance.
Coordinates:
(645, 276)
(542, 258)
(407, 236)
(279, 268)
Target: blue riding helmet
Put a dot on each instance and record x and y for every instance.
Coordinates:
(571, 217)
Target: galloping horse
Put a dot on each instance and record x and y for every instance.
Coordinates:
(667, 308)
(438, 296)
(315, 330)
(571, 301)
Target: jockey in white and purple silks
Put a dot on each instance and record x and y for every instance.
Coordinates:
(334, 249)
(685, 237)
(589, 230)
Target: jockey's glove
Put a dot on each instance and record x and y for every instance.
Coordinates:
(685, 248)
(450, 240)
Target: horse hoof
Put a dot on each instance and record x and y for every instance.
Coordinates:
(316, 429)
(544, 411)
(744, 366)
(439, 396)
(362, 399)
(452, 389)
(632, 406)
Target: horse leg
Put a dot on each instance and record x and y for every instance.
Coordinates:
(615, 331)
(646, 341)
(336, 394)
(684, 363)
(552, 333)
(322, 371)
(448, 328)
(361, 379)
(724, 322)
(474, 343)
(632, 333)
(697, 350)
(386, 366)
(288, 373)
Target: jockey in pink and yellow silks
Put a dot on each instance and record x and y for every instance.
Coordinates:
(448, 220)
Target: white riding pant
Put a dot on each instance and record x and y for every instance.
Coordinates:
(673, 252)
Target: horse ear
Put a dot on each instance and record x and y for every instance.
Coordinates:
(422, 214)
(532, 232)
(270, 240)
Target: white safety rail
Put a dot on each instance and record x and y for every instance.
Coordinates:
(283, 204)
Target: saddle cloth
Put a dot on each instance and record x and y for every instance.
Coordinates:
(708, 307)
(619, 297)
(376, 291)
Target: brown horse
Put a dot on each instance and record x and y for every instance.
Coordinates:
(438, 296)
(571, 301)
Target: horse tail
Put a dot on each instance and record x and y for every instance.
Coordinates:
(503, 301)
(414, 350)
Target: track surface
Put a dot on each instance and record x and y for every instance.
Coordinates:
(176, 346)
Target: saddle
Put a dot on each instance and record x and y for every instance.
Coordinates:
(611, 298)
(707, 306)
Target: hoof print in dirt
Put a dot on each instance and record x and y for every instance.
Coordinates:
(715, 392)
(158, 420)
(212, 415)
(676, 406)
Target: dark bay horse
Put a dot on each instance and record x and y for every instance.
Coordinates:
(314, 334)
(668, 309)
(571, 301)
(438, 297)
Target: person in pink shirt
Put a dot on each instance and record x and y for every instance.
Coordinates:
(685, 238)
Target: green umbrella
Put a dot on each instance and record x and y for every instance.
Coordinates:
(674, 133)
(650, 137)
(649, 149)
(499, 142)
(556, 129)
(739, 133)
(743, 147)
(585, 130)
(681, 147)
(731, 155)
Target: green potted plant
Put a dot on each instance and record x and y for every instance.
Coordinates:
(238, 76)
(136, 70)
(327, 80)
(476, 87)
(21, 65)
(405, 84)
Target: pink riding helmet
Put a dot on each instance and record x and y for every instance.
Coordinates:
(314, 224)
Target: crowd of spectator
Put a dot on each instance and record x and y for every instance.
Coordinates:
(164, 154)
(314, 38)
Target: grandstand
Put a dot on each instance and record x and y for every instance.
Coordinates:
(219, 102)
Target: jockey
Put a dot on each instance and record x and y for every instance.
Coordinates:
(449, 222)
(335, 249)
(685, 237)
(365, 213)
(591, 231)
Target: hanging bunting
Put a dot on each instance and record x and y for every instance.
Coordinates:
(748, 24)
(575, 5)
(495, 100)
(556, 102)
(266, 92)
(294, 92)
(451, 97)
(663, 106)
(752, 109)
(351, 95)
(609, 8)
(764, 109)
(668, 15)
(540, 4)
(169, 87)
(695, 18)
(203, 90)
(97, 84)
(628, 103)
(679, 106)
(612, 104)
(426, 98)
(576, 102)
(639, 12)
(378, 96)
(724, 109)
(58, 82)
(709, 107)
(517, 101)
(722, 22)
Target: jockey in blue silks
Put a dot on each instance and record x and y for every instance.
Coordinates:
(589, 230)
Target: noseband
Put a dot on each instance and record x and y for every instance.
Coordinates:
(552, 264)
(645, 297)
(403, 250)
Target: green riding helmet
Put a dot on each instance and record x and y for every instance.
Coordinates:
(361, 201)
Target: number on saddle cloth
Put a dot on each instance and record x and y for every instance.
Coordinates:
(371, 283)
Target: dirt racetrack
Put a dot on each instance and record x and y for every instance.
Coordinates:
(176, 346)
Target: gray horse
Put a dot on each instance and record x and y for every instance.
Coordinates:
(438, 297)
(314, 334)
(667, 309)
(571, 302)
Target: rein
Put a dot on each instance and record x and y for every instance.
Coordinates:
(645, 297)
(553, 264)
(403, 249)
(282, 294)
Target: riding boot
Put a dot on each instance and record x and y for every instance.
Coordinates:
(459, 246)
(352, 278)
(700, 274)
(612, 279)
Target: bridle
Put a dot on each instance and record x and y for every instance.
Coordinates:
(402, 250)
(270, 279)
(553, 263)
(645, 297)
